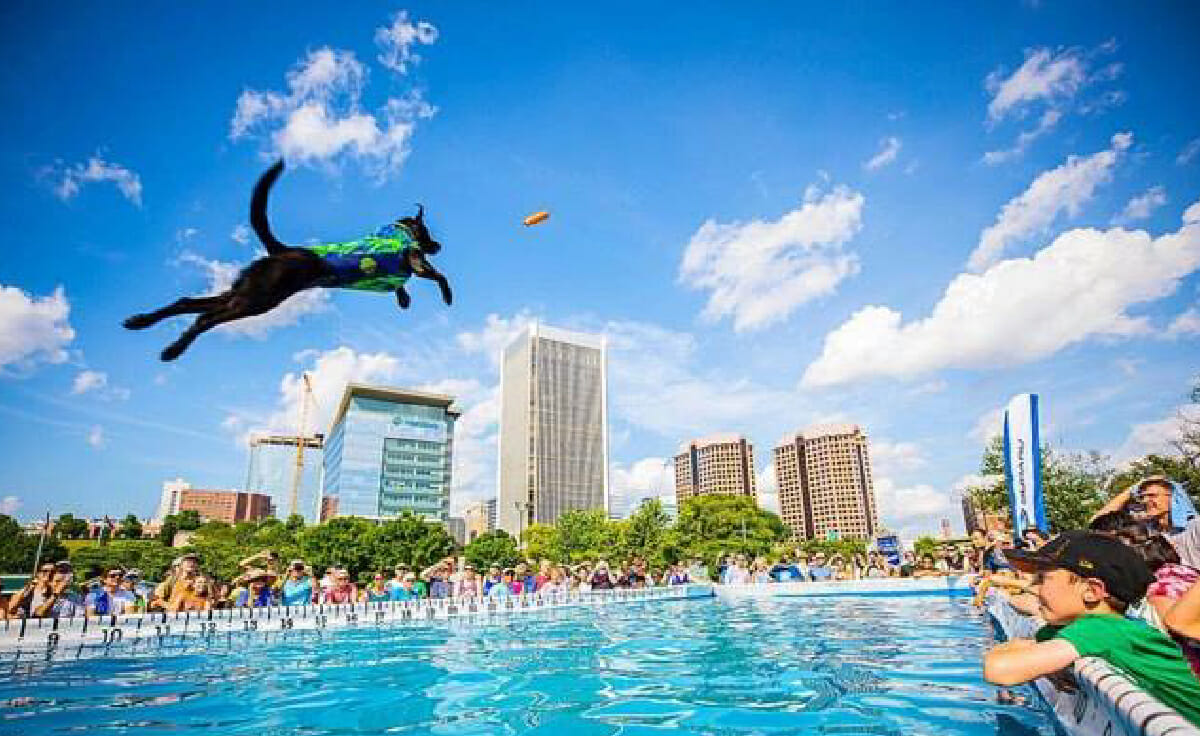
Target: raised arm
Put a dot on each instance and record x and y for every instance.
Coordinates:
(1116, 503)
(1021, 660)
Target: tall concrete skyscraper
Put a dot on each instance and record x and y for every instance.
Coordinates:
(553, 427)
(722, 463)
(825, 486)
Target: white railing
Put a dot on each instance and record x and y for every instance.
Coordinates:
(947, 585)
(82, 636)
(1107, 702)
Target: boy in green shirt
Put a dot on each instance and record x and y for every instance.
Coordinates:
(1084, 583)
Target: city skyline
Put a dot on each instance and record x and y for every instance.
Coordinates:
(775, 219)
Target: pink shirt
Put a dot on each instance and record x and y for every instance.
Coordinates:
(1171, 582)
(342, 594)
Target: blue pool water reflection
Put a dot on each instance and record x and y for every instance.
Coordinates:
(782, 666)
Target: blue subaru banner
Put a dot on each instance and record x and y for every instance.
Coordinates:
(1023, 464)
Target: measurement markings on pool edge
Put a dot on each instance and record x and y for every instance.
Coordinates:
(80, 636)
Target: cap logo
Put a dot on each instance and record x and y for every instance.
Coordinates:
(1086, 564)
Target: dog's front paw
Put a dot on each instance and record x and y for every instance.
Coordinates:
(138, 322)
(171, 352)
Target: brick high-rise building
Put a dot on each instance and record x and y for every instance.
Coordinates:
(824, 479)
(721, 463)
(227, 506)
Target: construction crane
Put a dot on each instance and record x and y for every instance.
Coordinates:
(301, 441)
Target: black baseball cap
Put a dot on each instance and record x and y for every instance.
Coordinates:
(1088, 554)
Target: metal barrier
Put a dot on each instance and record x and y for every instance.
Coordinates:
(947, 585)
(84, 636)
(1107, 702)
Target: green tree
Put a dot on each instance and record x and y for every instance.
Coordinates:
(411, 540)
(295, 523)
(646, 534)
(130, 527)
(344, 541)
(538, 541)
(583, 535)
(149, 556)
(847, 547)
(716, 524)
(184, 521)
(18, 549)
(493, 548)
(68, 527)
(924, 545)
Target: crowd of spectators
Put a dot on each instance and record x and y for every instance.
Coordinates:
(1124, 590)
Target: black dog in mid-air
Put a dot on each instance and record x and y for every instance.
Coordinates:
(380, 262)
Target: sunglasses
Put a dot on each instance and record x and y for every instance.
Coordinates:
(114, 574)
(46, 569)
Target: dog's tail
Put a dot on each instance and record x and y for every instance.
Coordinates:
(258, 210)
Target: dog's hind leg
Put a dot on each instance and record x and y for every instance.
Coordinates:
(186, 305)
(203, 323)
(402, 297)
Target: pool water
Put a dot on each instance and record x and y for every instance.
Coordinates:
(772, 666)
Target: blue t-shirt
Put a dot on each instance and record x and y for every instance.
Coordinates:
(264, 598)
(820, 572)
(785, 573)
(993, 560)
(400, 593)
(499, 590)
(105, 603)
(297, 592)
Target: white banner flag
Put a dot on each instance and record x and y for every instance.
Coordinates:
(1023, 464)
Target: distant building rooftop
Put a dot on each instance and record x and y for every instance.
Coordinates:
(723, 438)
(397, 395)
(821, 430)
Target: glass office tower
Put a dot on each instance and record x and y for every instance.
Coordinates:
(389, 451)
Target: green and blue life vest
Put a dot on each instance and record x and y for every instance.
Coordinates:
(374, 263)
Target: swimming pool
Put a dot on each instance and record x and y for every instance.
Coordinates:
(774, 666)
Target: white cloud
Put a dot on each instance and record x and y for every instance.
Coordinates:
(240, 234)
(320, 120)
(989, 426)
(396, 41)
(760, 272)
(1063, 189)
(1019, 310)
(33, 329)
(1045, 75)
(912, 510)
(1129, 366)
(221, 275)
(892, 458)
(1156, 436)
(97, 381)
(70, 179)
(1052, 81)
(1046, 123)
(495, 335)
(1143, 205)
(95, 437)
(1188, 152)
(10, 505)
(645, 478)
(1186, 324)
(889, 148)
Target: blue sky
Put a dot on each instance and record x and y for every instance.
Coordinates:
(780, 215)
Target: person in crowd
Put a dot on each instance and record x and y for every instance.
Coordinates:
(543, 576)
(583, 579)
(202, 596)
(877, 566)
(677, 575)
(785, 571)
(221, 595)
(467, 584)
(131, 584)
(1172, 581)
(1183, 618)
(556, 581)
(1085, 582)
(994, 560)
(1034, 538)
(34, 594)
(494, 577)
(110, 598)
(927, 567)
(837, 565)
(908, 565)
(502, 588)
(376, 591)
(178, 587)
(857, 567)
(819, 570)
(697, 571)
(736, 571)
(633, 577)
(437, 578)
(760, 571)
(299, 588)
(343, 590)
(265, 560)
(406, 590)
(397, 580)
(258, 591)
(603, 578)
(1156, 501)
(522, 575)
